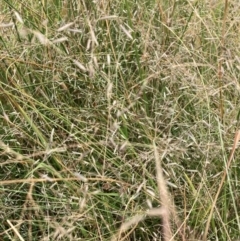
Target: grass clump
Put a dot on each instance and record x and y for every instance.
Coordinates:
(118, 120)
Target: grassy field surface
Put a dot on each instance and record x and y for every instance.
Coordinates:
(119, 120)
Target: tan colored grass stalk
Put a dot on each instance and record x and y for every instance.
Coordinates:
(15, 230)
(164, 198)
(220, 63)
(236, 140)
(164, 212)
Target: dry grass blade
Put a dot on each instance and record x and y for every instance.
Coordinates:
(127, 225)
(235, 143)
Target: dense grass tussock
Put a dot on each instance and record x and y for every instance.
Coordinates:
(118, 119)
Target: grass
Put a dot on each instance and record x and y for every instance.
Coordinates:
(118, 120)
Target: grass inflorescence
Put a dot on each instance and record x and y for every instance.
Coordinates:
(118, 120)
